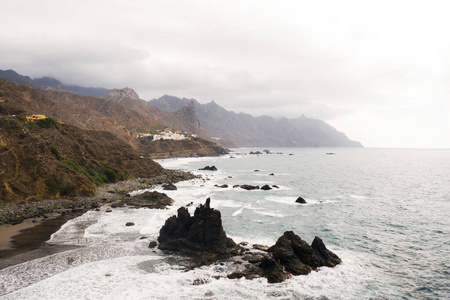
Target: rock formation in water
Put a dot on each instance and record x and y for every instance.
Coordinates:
(196, 235)
(209, 168)
(202, 236)
(300, 200)
(169, 187)
(148, 199)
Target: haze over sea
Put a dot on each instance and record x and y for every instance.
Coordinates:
(384, 212)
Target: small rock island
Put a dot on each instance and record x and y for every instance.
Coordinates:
(202, 238)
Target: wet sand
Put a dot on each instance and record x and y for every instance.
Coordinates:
(30, 238)
(27, 240)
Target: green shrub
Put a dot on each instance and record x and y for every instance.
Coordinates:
(111, 175)
(52, 186)
(70, 164)
(48, 122)
(104, 174)
(55, 151)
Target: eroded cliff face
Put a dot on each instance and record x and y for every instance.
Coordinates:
(181, 148)
(51, 159)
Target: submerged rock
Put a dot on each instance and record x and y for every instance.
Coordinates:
(266, 187)
(249, 187)
(208, 168)
(223, 186)
(169, 187)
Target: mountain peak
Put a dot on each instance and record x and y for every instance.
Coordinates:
(118, 95)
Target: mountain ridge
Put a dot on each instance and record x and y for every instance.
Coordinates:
(244, 130)
(210, 120)
(46, 81)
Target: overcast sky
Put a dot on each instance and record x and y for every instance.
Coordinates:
(376, 70)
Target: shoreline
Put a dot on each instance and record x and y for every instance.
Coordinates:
(25, 227)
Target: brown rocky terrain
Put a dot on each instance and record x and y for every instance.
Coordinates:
(102, 114)
(96, 143)
(183, 148)
(85, 112)
(46, 159)
(183, 119)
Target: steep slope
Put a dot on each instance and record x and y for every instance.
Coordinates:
(101, 114)
(244, 130)
(46, 159)
(321, 134)
(183, 119)
(82, 111)
(181, 148)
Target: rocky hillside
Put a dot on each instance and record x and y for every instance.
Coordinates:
(47, 159)
(95, 113)
(102, 114)
(85, 112)
(244, 130)
(120, 112)
(182, 148)
(183, 119)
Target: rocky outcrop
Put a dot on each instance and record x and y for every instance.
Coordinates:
(300, 200)
(209, 168)
(289, 256)
(202, 238)
(148, 199)
(249, 187)
(181, 148)
(196, 235)
(223, 186)
(169, 187)
(266, 187)
(298, 257)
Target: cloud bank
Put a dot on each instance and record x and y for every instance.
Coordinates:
(376, 70)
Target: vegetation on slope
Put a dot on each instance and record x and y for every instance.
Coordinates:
(47, 159)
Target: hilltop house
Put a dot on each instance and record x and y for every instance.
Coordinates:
(35, 117)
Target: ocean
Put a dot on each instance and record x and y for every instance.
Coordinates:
(384, 212)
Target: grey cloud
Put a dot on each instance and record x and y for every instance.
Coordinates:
(327, 60)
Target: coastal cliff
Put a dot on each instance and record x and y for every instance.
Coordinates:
(46, 159)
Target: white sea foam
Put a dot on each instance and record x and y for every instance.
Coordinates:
(270, 214)
(154, 277)
(283, 200)
(239, 211)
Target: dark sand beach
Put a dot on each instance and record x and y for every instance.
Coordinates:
(28, 236)
(23, 235)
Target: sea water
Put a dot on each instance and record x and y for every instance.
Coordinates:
(384, 212)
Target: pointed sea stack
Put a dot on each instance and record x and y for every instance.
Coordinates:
(196, 235)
